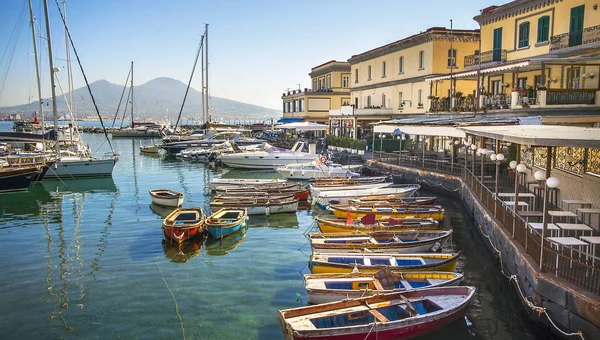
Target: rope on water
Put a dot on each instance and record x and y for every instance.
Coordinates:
(174, 300)
(539, 310)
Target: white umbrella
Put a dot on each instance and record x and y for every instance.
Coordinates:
(303, 126)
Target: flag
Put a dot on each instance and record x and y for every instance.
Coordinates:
(349, 220)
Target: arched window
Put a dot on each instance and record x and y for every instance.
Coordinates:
(543, 29)
(451, 58)
(524, 34)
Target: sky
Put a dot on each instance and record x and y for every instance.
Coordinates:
(257, 49)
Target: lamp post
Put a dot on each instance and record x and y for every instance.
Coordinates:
(381, 137)
(400, 138)
(473, 148)
(551, 183)
(497, 158)
(467, 147)
(483, 152)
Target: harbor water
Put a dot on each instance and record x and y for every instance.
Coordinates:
(85, 259)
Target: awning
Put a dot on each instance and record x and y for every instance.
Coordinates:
(455, 75)
(540, 135)
(289, 120)
(303, 126)
(420, 130)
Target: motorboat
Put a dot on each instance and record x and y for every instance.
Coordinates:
(208, 154)
(268, 159)
(209, 141)
(315, 169)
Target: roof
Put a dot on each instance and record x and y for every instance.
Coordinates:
(453, 121)
(445, 131)
(540, 135)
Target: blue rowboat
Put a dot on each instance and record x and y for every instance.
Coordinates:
(226, 221)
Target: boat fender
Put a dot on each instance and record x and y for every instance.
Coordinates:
(267, 211)
(436, 247)
(292, 172)
(302, 172)
(323, 159)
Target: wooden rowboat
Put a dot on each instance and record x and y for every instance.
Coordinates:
(166, 197)
(379, 242)
(226, 221)
(323, 288)
(216, 182)
(388, 316)
(184, 223)
(335, 225)
(387, 211)
(298, 194)
(395, 199)
(341, 182)
(370, 263)
(257, 208)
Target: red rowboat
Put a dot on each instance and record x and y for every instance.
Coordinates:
(184, 223)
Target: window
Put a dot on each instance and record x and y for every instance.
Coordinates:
(356, 75)
(315, 84)
(451, 58)
(368, 101)
(573, 77)
(295, 106)
(401, 65)
(383, 100)
(538, 81)
(328, 82)
(356, 102)
(383, 70)
(524, 35)
(301, 105)
(345, 81)
(496, 87)
(543, 28)
(420, 97)
(522, 83)
(369, 73)
(422, 60)
(400, 99)
(320, 84)
(284, 110)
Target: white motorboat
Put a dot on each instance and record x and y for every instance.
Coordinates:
(271, 158)
(316, 190)
(143, 131)
(342, 196)
(166, 197)
(314, 170)
(217, 182)
(204, 154)
(81, 166)
(149, 148)
(209, 140)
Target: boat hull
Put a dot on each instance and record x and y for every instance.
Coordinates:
(180, 234)
(328, 226)
(81, 168)
(168, 202)
(129, 133)
(218, 232)
(260, 209)
(379, 215)
(17, 179)
(149, 149)
(435, 240)
(446, 264)
(270, 162)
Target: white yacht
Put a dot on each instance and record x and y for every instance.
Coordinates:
(271, 158)
(315, 169)
(209, 141)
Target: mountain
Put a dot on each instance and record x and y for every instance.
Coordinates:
(158, 98)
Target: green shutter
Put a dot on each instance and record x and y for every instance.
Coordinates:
(543, 29)
(576, 27)
(524, 34)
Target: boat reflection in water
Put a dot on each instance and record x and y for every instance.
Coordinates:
(222, 246)
(161, 210)
(88, 185)
(274, 221)
(182, 252)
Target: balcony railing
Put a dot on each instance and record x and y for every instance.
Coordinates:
(571, 96)
(486, 57)
(570, 264)
(560, 41)
(497, 101)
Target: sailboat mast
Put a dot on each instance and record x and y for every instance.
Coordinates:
(202, 67)
(132, 95)
(206, 51)
(37, 68)
(69, 71)
(51, 64)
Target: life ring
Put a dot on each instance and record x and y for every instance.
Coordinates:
(323, 159)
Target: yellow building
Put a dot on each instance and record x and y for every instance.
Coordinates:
(389, 81)
(330, 90)
(539, 56)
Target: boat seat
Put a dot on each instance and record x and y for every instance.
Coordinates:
(378, 315)
(406, 284)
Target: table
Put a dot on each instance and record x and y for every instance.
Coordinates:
(540, 226)
(590, 212)
(593, 241)
(521, 204)
(575, 227)
(531, 213)
(577, 202)
(511, 195)
(567, 242)
(561, 213)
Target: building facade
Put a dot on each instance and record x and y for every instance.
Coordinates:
(330, 90)
(537, 55)
(390, 81)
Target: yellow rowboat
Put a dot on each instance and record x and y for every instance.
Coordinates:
(335, 225)
(370, 263)
(323, 288)
(388, 211)
(380, 242)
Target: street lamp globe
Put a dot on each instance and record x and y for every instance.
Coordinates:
(521, 168)
(500, 157)
(456, 142)
(540, 175)
(512, 164)
(552, 182)
(473, 147)
(493, 157)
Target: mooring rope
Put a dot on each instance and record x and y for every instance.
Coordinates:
(173, 296)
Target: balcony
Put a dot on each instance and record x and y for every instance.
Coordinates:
(486, 57)
(571, 97)
(569, 39)
(374, 111)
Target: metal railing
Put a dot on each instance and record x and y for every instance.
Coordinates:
(569, 39)
(571, 96)
(568, 263)
(486, 57)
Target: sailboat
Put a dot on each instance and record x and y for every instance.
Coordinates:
(77, 160)
(137, 130)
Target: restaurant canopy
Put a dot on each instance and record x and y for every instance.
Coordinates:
(540, 135)
(303, 126)
(420, 130)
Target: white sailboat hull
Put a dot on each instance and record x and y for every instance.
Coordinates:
(344, 196)
(133, 133)
(267, 161)
(73, 168)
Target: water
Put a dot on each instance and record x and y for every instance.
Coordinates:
(85, 259)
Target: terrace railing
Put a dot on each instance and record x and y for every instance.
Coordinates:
(486, 57)
(570, 264)
(571, 96)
